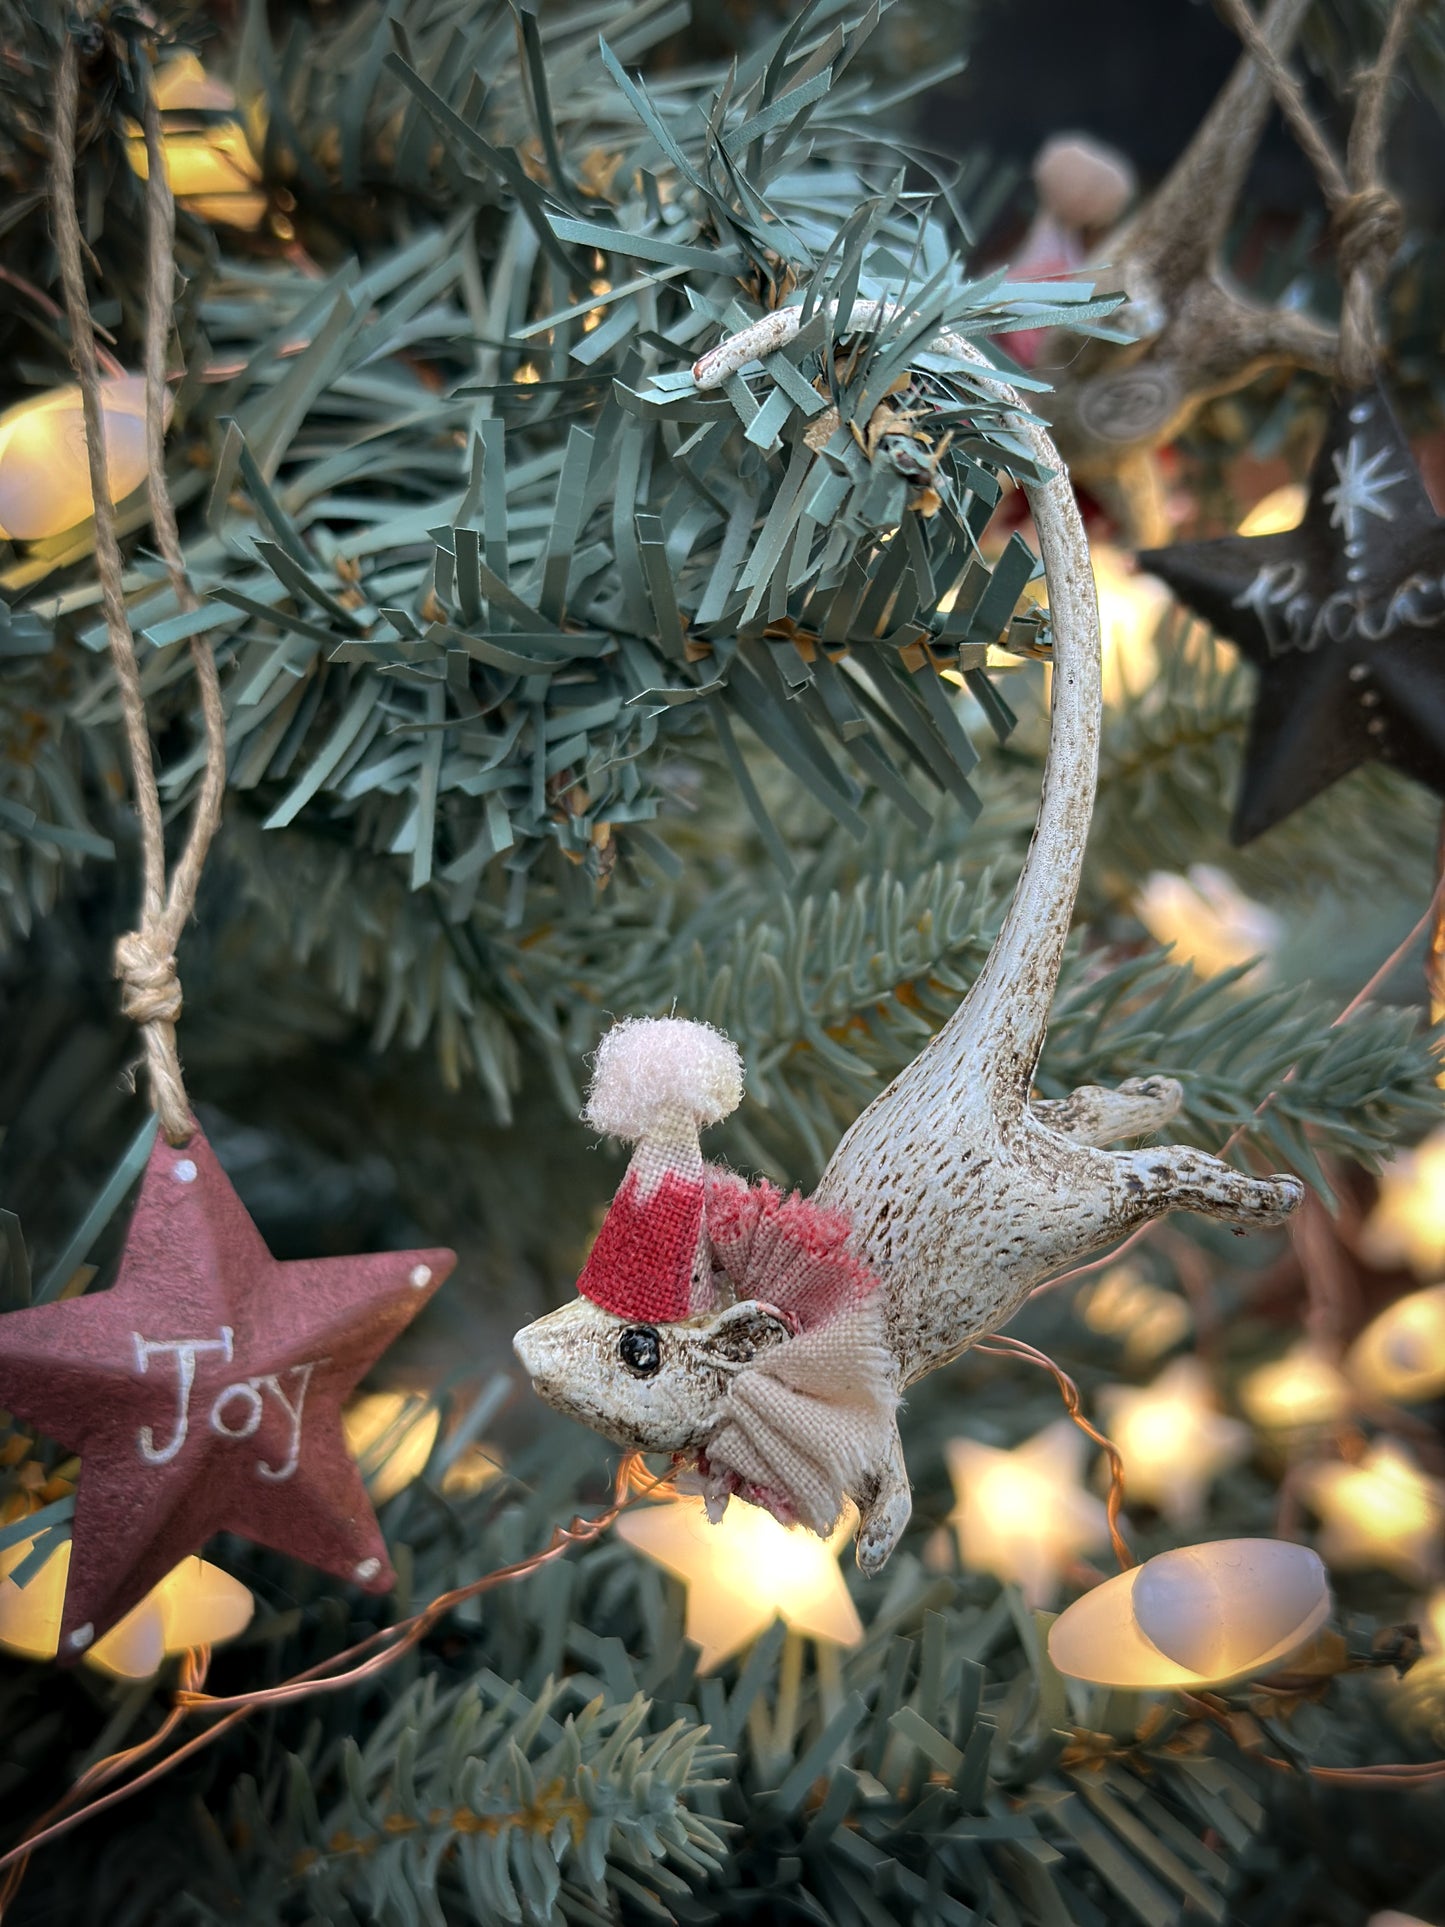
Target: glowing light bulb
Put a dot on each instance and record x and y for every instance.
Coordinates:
(1301, 1389)
(30, 1614)
(1131, 607)
(210, 163)
(746, 1571)
(44, 470)
(473, 1470)
(390, 1435)
(1384, 1511)
(594, 316)
(1124, 1305)
(1401, 1354)
(1432, 1624)
(1276, 513)
(1023, 1515)
(1407, 1225)
(1209, 920)
(1197, 1616)
(1418, 1697)
(196, 1604)
(1173, 1439)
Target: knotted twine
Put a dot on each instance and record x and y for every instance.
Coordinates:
(1364, 214)
(145, 959)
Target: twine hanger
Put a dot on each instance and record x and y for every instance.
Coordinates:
(1366, 218)
(145, 959)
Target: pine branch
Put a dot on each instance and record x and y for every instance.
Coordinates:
(830, 989)
(480, 1801)
(1358, 1089)
(467, 613)
(940, 1765)
(46, 818)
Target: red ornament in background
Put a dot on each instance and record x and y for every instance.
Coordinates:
(203, 1392)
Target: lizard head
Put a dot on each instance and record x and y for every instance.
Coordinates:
(653, 1387)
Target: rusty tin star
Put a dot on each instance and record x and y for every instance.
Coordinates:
(203, 1392)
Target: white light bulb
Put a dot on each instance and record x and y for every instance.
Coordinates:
(1197, 1616)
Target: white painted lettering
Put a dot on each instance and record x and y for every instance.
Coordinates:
(302, 1375)
(244, 1388)
(237, 1409)
(185, 1351)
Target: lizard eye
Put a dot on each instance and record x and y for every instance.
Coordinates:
(640, 1350)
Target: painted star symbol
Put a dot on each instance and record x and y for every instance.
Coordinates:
(203, 1392)
(746, 1571)
(1024, 1515)
(1173, 1439)
(1348, 635)
(1362, 487)
(1382, 1511)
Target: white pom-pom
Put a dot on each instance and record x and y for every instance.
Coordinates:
(1082, 183)
(648, 1069)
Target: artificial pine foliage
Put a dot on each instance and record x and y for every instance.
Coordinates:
(557, 689)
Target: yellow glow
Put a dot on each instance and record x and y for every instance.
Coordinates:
(1382, 1512)
(1173, 1438)
(1124, 1305)
(746, 1571)
(211, 166)
(30, 1615)
(1302, 1388)
(1023, 1515)
(1131, 607)
(594, 315)
(1208, 919)
(1401, 1354)
(1282, 509)
(1407, 1225)
(216, 162)
(184, 82)
(196, 1604)
(526, 374)
(472, 1470)
(390, 1435)
(44, 470)
(1418, 1697)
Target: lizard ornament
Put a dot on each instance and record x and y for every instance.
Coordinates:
(767, 1339)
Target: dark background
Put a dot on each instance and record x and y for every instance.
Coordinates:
(1140, 74)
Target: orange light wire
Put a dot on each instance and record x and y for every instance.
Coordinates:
(1000, 1346)
(372, 1655)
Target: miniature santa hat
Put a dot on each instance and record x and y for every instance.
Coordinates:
(656, 1082)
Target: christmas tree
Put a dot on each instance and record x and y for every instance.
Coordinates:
(515, 519)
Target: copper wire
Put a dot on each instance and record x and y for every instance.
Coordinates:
(1002, 1346)
(381, 1648)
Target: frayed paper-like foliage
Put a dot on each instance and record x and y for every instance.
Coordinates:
(476, 554)
(46, 817)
